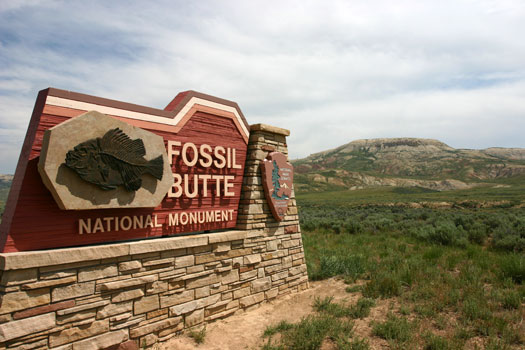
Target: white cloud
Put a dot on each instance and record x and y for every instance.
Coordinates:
(464, 119)
(330, 71)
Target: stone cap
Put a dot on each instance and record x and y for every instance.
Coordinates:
(26, 260)
(270, 129)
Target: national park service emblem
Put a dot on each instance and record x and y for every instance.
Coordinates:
(277, 175)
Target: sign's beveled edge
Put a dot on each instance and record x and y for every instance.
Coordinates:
(21, 167)
(174, 113)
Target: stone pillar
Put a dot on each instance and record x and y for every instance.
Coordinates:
(254, 212)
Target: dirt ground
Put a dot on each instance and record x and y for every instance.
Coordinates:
(243, 331)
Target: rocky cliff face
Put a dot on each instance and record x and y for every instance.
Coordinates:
(406, 162)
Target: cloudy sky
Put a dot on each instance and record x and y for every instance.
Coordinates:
(330, 71)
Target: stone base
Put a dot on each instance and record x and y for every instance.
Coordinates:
(146, 291)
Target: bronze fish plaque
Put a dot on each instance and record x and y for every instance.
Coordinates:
(113, 160)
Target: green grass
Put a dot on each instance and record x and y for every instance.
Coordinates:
(513, 266)
(395, 329)
(380, 195)
(278, 328)
(383, 285)
(309, 333)
(327, 306)
(360, 310)
(435, 342)
(198, 335)
(331, 322)
(430, 262)
(355, 343)
(501, 229)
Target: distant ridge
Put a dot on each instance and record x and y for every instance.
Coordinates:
(406, 162)
(5, 185)
(399, 162)
(383, 143)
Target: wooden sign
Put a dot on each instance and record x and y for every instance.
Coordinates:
(277, 176)
(197, 171)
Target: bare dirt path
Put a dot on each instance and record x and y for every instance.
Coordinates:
(244, 330)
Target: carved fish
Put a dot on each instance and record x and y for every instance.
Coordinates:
(113, 160)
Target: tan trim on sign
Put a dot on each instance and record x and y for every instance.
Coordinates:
(178, 120)
(218, 106)
(63, 102)
(200, 108)
(70, 112)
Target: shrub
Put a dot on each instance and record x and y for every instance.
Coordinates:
(278, 328)
(362, 308)
(513, 266)
(435, 342)
(383, 224)
(409, 273)
(477, 233)
(510, 238)
(475, 308)
(353, 227)
(395, 328)
(354, 289)
(354, 344)
(511, 300)
(433, 253)
(312, 330)
(383, 285)
(198, 336)
(307, 225)
(335, 264)
(328, 307)
(496, 344)
(446, 233)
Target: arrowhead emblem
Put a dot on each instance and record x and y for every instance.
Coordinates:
(277, 175)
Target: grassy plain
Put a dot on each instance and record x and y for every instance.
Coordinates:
(454, 278)
(506, 190)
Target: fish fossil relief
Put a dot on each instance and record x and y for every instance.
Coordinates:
(113, 160)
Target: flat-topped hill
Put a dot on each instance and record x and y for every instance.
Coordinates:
(406, 162)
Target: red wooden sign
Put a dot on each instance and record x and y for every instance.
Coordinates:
(277, 176)
(206, 140)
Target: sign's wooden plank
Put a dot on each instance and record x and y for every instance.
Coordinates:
(32, 219)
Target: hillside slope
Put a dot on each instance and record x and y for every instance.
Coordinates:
(407, 162)
(5, 184)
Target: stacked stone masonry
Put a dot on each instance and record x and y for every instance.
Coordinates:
(137, 294)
